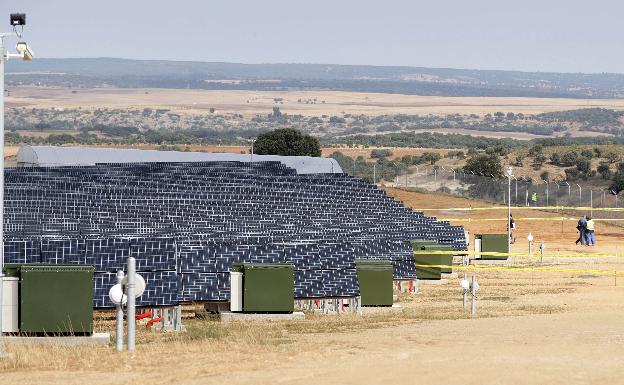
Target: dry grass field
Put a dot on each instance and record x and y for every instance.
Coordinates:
(250, 103)
(532, 327)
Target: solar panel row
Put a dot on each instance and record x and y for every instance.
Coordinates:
(187, 223)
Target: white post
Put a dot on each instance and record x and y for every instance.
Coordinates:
(3, 58)
(374, 173)
(580, 195)
(473, 287)
(465, 291)
(119, 310)
(591, 202)
(131, 316)
(453, 175)
(509, 174)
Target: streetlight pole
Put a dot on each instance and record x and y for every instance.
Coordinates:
(24, 53)
(509, 176)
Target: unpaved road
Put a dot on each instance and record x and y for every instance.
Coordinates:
(583, 344)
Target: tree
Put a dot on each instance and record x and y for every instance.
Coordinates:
(380, 153)
(545, 175)
(587, 154)
(604, 170)
(287, 142)
(538, 161)
(618, 183)
(612, 157)
(484, 164)
(535, 150)
(555, 158)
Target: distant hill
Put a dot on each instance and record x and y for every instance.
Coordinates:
(389, 79)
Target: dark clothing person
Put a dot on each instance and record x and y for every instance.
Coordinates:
(582, 228)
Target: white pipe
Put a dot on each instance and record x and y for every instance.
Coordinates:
(119, 309)
(131, 317)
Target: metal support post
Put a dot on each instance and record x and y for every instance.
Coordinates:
(465, 291)
(131, 316)
(473, 287)
(120, 316)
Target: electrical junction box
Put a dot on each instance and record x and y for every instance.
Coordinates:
(423, 259)
(266, 288)
(491, 243)
(375, 279)
(56, 299)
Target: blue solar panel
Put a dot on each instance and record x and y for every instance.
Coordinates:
(189, 222)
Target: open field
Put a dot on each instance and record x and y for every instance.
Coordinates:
(532, 327)
(250, 103)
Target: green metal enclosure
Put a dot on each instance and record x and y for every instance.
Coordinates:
(422, 259)
(497, 243)
(268, 288)
(375, 279)
(56, 299)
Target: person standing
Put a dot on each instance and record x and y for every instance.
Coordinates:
(589, 232)
(534, 199)
(581, 226)
(512, 227)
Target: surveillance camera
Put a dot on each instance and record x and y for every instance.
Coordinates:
(24, 50)
(18, 19)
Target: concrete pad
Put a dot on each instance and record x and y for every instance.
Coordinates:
(379, 309)
(229, 316)
(94, 340)
(432, 282)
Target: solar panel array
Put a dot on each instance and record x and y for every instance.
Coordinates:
(187, 223)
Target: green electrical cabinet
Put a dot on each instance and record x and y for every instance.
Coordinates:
(422, 259)
(268, 288)
(375, 279)
(493, 243)
(56, 299)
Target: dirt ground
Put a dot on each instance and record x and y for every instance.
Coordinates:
(250, 103)
(532, 327)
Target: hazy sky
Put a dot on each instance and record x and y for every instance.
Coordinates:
(535, 35)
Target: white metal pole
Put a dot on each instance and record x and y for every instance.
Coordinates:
(591, 202)
(509, 208)
(465, 291)
(119, 309)
(131, 317)
(3, 57)
(374, 174)
(473, 288)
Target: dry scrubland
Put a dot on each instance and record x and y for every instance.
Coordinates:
(532, 328)
(250, 103)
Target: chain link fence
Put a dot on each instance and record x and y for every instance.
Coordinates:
(562, 197)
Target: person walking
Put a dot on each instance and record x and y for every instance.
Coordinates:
(581, 226)
(534, 199)
(590, 237)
